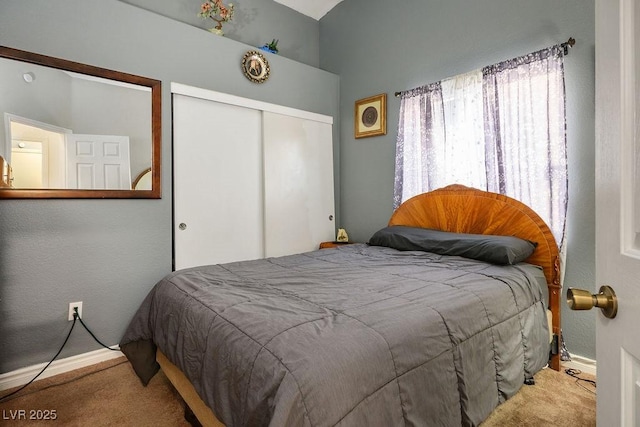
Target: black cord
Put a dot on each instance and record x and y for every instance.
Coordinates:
(575, 374)
(91, 333)
(76, 316)
(47, 365)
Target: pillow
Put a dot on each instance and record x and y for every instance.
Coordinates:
(503, 250)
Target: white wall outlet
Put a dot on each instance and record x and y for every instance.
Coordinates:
(73, 305)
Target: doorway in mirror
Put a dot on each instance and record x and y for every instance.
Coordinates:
(44, 156)
(37, 153)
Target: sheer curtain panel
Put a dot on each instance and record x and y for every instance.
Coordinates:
(501, 128)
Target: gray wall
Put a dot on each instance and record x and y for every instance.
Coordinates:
(38, 101)
(109, 253)
(255, 23)
(378, 49)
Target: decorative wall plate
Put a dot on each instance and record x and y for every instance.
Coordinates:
(255, 66)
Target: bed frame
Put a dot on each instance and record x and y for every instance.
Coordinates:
(456, 209)
(202, 412)
(461, 209)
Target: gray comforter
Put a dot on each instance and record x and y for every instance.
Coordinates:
(357, 336)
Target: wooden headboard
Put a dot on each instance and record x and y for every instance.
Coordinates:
(461, 209)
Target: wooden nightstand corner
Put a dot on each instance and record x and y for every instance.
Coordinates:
(326, 245)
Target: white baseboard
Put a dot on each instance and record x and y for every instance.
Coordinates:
(586, 365)
(24, 375)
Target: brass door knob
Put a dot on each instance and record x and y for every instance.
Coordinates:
(605, 300)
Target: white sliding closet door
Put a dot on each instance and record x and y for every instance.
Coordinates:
(298, 184)
(218, 195)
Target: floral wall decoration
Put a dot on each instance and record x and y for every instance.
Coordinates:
(217, 11)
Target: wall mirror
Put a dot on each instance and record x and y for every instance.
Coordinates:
(72, 130)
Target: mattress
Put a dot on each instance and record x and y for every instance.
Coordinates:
(358, 335)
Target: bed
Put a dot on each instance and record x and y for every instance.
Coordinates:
(362, 334)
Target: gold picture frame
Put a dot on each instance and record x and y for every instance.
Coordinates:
(371, 116)
(255, 66)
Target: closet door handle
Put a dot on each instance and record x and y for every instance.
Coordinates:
(182, 226)
(330, 217)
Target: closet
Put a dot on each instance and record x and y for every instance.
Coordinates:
(250, 179)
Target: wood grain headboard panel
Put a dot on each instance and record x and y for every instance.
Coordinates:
(462, 209)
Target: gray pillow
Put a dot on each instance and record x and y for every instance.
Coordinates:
(503, 250)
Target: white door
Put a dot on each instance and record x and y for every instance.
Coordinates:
(299, 202)
(98, 162)
(618, 208)
(217, 189)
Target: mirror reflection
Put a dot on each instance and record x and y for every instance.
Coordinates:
(143, 180)
(72, 130)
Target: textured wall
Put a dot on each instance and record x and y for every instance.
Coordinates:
(376, 48)
(255, 23)
(109, 253)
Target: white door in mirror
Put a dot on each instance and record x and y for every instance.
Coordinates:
(98, 162)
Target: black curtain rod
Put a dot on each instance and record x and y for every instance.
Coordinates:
(566, 46)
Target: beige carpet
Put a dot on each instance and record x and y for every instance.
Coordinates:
(109, 394)
(556, 399)
(106, 394)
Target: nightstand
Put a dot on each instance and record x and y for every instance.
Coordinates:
(325, 245)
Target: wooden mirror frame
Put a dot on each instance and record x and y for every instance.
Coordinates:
(156, 129)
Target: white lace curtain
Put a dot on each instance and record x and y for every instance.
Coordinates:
(500, 128)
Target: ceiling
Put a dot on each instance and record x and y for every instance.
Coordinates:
(313, 8)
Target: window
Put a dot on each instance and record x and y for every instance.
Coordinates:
(500, 129)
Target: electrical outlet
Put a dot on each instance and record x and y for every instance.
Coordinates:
(73, 305)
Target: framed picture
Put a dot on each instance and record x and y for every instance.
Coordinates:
(255, 66)
(371, 116)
